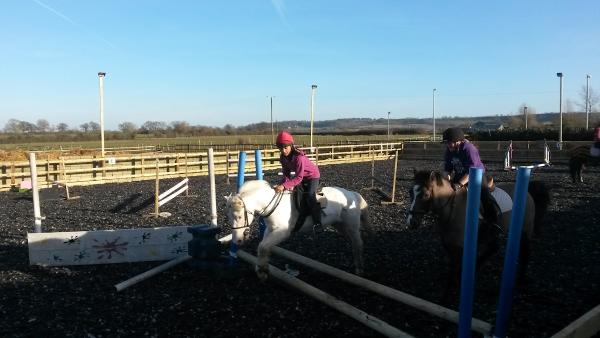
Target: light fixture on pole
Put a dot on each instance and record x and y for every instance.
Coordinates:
(560, 135)
(101, 76)
(433, 110)
(525, 112)
(312, 114)
(588, 108)
(388, 133)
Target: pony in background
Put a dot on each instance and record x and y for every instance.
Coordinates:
(433, 193)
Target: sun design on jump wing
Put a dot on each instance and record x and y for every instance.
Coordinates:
(110, 247)
(174, 236)
(145, 236)
(81, 255)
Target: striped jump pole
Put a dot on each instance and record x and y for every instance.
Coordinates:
(512, 252)
(469, 258)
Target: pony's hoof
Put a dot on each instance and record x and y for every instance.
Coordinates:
(262, 273)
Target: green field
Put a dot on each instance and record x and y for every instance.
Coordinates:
(303, 140)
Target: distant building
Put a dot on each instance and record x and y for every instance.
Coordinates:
(483, 126)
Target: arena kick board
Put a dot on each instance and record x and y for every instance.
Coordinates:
(107, 246)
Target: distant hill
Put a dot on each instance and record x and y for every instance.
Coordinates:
(424, 124)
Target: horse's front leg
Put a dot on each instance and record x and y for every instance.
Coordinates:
(264, 252)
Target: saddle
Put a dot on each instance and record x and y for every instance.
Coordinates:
(299, 202)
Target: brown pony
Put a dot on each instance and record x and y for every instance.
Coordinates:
(433, 193)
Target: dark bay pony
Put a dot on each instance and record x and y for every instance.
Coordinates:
(578, 159)
(433, 193)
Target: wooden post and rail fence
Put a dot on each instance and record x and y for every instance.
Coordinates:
(82, 171)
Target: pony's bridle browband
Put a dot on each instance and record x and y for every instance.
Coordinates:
(275, 201)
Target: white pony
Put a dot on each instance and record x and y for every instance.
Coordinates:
(345, 210)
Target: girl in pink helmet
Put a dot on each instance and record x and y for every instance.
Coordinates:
(306, 173)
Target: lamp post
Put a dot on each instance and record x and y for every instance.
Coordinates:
(433, 110)
(388, 133)
(560, 139)
(272, 130)
(312, 114)
(101, 76)
(587, 101)
(525, 112)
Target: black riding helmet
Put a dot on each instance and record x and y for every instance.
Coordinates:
(453, 135)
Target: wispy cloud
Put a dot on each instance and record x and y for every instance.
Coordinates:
(280, 8)
(67, 19)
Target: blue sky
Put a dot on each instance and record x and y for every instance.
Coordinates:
(217, 62)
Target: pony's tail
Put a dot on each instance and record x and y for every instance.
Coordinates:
(364, 213)
(541, 198)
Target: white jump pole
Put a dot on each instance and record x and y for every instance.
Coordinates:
(143, 276)
(213, 194)
(36, 194)
(343, 307)
(405, 298)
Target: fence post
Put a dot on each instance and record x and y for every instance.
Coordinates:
(157, 190)
(35, 192)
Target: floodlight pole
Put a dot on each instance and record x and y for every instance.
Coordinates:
(388, 133)
(101, 76)
(433, 110)
(272, 130)
(312, 114)
(560, 131)
(587, 101)
(525, 111)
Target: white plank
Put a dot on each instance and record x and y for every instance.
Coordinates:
(107, 246)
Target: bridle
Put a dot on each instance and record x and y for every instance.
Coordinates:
(263, 213)
(452, 200)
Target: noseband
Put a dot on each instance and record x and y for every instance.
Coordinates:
(263, 213)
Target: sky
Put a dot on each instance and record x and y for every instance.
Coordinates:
(214, 63)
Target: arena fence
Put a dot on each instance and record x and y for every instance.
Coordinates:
(83, 171)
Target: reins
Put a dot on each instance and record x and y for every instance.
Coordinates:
(275, 201)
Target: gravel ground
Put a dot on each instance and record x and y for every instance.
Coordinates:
(80, 301)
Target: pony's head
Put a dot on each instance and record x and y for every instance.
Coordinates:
(421, 195)
(240, 219)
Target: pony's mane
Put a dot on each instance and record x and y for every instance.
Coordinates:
(422, 177)
(250, 186)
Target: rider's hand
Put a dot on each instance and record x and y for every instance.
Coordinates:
(457, 186)
(279, 188)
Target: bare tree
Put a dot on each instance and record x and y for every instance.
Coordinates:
(180, 127)
(62, 127)
(127, 127)
(13, 126)
(85, 127)
(94, 126)
(42, 125)
(153, 127)
(594, 99)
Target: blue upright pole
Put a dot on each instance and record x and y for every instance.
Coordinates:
(512, 252)
(241, 169)
(259, 176)
(469, 258)
(233, 248)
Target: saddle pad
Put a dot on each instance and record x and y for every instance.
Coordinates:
(503, 199)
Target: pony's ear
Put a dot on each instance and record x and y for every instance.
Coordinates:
(228, 197)
(437, 177)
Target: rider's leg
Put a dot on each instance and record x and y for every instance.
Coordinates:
(315, 208)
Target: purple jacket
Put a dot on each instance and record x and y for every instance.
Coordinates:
(301, 165)
(461, 160)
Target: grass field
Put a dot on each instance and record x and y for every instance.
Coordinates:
(303, 140)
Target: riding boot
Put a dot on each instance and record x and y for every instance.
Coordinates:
(316, 216)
